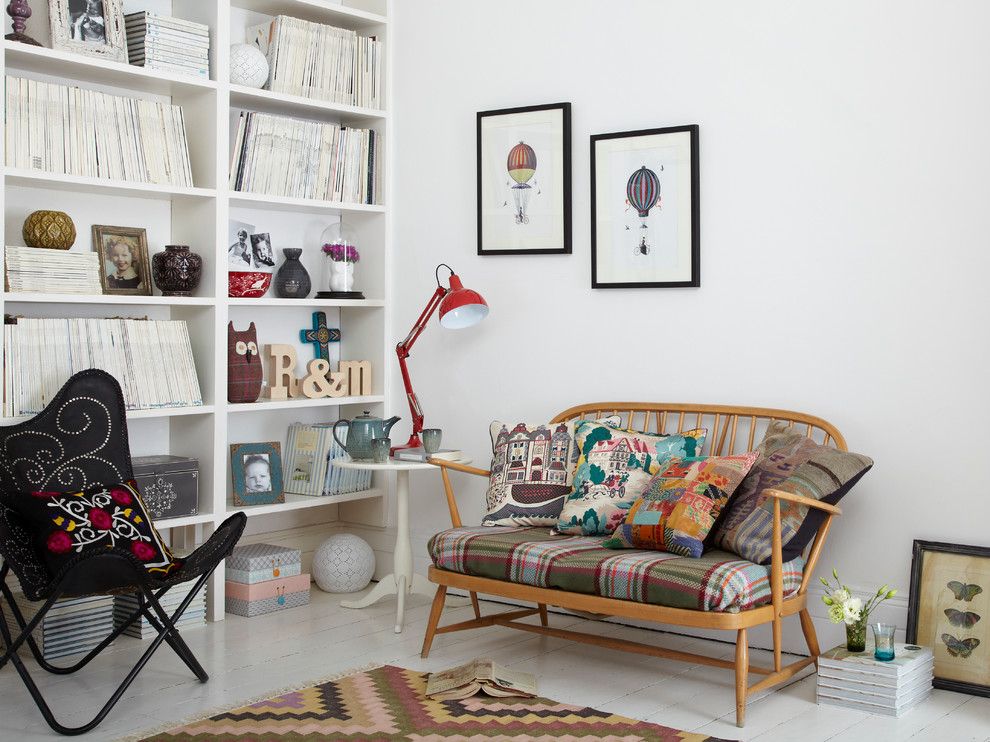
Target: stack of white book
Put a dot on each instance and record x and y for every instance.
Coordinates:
(52, 271)
(310, 453)
(76, 131)
(160, 42)
(297, 158)
(858, 681)
(314, 60)
(152, 360)
(195, 615)
(72, 626)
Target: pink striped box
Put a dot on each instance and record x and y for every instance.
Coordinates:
(266, 597)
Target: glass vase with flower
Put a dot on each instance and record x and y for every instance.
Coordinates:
(342, 257)
(844, 607)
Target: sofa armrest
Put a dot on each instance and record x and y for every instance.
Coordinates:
(455, 516)
(802, 500)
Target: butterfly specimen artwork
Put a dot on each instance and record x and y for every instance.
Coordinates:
(960, 647)
(964, 591)
(963, 619)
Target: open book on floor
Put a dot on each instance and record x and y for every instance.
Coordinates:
(480, 675)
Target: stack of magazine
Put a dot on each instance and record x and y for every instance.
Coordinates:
(72, 626)
(159, 42)
(52, 271)
(195, 615)
(856, 680)
(310, 453)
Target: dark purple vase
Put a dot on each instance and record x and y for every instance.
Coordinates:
(176, 270)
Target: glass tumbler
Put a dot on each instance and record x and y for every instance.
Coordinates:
(883, 637)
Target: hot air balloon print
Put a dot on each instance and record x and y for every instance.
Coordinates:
(521, 164)
(643, 193)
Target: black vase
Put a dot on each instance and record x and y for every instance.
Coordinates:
(176, 270)
(292, 280)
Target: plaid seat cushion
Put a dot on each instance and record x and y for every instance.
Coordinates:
(718, 581)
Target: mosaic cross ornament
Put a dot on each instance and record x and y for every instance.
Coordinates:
(320, 336)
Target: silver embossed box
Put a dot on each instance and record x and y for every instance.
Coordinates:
(169, 485)
(253, 563)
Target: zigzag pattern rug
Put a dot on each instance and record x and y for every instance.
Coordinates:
(389, 703)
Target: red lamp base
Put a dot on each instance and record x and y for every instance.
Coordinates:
(413, 442)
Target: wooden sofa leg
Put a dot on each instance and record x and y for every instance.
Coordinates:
(475, 605)
(431, 627)
(544, 618)
(808, 627)
(742, 676)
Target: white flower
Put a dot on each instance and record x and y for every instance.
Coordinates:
(852, 609)
(841, 595)
(836, 614)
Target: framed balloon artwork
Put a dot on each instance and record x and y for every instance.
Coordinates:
(644, 209)
(524, 180)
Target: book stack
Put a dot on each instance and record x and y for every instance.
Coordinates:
(420, 454)
(856, 680)
(75, 131)
(283, 156)
(152, 360)
(52, 271)
(159, 42)
(195, 615)
(72, 626)
(314, 60)
(310, 453)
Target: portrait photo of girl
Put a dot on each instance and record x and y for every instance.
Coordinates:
(124, 259)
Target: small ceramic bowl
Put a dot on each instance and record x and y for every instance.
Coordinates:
(248, 284)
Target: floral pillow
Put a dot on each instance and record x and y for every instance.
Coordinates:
(67, 524)
(681, 504)
(614, 466)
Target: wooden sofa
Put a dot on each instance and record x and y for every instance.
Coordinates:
(730, 430)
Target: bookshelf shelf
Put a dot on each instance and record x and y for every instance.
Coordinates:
(146, 414)
(291, 404)
(315, 10)
(163, 524)
(312, 302)
(12, 297)
(80, 184)
(302, 502)
(295, 105)
(300, 205)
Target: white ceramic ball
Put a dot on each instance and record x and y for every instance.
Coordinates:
(344, 563)
(248, 66)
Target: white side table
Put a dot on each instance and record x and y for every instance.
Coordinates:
(403, 580)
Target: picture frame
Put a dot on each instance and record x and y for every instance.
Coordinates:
(91, 27)
(645, 210)
(524, 180)
(256, 473)
(124, 260)
(949, 610)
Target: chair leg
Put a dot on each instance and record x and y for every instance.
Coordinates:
(475, 605)
(165, 625)
(544, 618)
(431, 627)
(742, 676)
(810, 636)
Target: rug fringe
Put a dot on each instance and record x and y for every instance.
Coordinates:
(162, 728)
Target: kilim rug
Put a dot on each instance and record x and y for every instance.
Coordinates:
(389, 703)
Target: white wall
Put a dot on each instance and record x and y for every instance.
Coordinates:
(845, 183)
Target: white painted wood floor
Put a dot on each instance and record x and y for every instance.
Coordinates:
(250, 658)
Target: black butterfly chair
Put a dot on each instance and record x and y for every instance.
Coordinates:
(80, 440)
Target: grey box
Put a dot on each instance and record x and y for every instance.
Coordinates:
(262, 558)
(169, 485)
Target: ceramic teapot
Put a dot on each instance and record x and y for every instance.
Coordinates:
(361, 431)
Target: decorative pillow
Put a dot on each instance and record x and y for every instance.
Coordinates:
(681, 504)
(614, 466)
(66, 524)
(792, 462)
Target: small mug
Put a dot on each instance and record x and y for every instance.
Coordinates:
(431, 440)
(379, 449)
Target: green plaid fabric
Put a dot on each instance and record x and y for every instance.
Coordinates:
(718, 581)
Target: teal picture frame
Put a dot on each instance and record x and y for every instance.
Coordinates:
(256, 473)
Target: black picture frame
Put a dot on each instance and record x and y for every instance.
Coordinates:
(695, 218)
(565, 211)
(919, 550)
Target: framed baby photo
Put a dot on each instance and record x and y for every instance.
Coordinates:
(524, 180)
(256, 473)
(124, 262)
(91, 27)
(645, 210)
(949, 611)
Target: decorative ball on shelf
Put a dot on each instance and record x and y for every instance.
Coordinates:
(344, 563)
(53, 230)
(248, 66)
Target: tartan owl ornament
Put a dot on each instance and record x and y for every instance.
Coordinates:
(244, 373)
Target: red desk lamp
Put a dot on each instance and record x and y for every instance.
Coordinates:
(459, 308)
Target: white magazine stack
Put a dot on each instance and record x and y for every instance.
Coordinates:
(858, 681)
(52, 271)
(195, 615)
(72, 626)
(159, 42)
(310, 453)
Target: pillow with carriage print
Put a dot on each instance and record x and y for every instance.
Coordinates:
(67, 524)
(614, 466)
(681, 505)
(532, 467)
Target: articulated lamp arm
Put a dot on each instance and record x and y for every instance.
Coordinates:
(402, 351)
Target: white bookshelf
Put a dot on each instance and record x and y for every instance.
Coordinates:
(198, 216)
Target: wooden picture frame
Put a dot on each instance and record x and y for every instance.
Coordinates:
(949, 610)
(91, 27)
(256, 473)
(645, 211)
(124, 260)
(524, 180)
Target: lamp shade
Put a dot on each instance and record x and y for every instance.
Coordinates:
(461, 307)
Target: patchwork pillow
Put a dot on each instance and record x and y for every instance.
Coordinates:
(792, 462)
(66, 524)
(614, 466)
(681, 504)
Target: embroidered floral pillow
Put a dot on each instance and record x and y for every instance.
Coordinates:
(614, 466)
(67, 524)
(680, 505)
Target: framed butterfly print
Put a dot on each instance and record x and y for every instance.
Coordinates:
(949, 610)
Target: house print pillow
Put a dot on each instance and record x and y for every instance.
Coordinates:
(614, 466)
